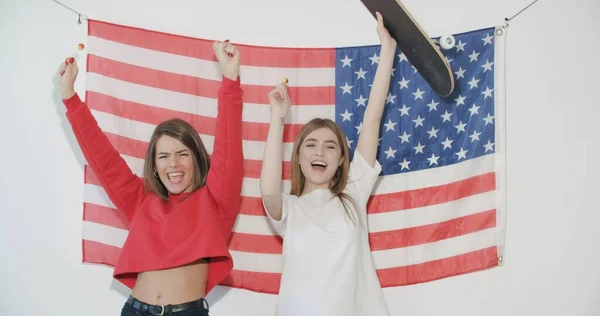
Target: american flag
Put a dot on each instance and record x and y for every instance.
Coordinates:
(438, 207)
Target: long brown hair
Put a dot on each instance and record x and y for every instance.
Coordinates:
(337, 184)
(187, 135)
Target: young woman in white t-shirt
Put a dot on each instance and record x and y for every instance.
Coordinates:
(327, 265)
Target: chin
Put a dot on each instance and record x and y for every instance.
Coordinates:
(176, 189)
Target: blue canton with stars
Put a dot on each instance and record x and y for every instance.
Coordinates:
(419, 129)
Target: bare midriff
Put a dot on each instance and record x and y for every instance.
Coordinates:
(172, 286)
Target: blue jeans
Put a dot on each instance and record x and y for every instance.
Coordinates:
(134, 307)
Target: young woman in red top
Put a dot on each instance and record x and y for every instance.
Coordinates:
(181, 213)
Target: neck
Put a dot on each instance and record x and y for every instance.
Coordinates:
(177, 196)
(310, 187)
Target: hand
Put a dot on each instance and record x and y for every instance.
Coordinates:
(280, 101)
(67, 74)
(229, 59)
(388, 43)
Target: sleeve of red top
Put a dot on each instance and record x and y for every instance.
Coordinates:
(225, 175)
(124, 188)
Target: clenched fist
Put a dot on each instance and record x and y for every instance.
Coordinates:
(229, 59)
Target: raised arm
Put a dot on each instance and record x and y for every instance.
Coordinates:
(369, 133)
(124, 188)
(225, 175)
(270, 175)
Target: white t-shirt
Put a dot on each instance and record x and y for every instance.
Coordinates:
(328, 269)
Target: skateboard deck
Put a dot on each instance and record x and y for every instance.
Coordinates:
(416, 45)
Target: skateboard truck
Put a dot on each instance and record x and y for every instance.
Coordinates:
(447, 42)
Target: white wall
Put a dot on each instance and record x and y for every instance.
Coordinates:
(552, 262)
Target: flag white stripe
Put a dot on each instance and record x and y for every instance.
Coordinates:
(442, 249)
(105, 234)
(193, 104)
(255, 225)
(200, 68)
(433, 177)
(432, 214)
(257, 262)
(96, 194)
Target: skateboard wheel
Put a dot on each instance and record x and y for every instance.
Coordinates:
(447, 41)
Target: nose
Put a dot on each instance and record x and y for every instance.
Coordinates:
(320, 151)
(173, 161)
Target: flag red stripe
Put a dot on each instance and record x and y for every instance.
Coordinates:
(203, 124)
(200, 86)
(95, 252)
(386, 240)
(269, 282)
(89, 176)
(248, 205)
(252, 169)
(127, 146)
(202, 49)
(391, 202)
(262, 282)
(137, 149)
(400, 276)
(252, 206)
(431, 195)
(439, 269)
(432, 232)
(103, 215)
(270, 244)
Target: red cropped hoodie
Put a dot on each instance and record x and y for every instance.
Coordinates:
(166, 234)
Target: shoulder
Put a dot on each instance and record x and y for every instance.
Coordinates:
(360, 168)
(362, 178)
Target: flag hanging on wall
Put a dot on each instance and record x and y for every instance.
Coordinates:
(438, 208)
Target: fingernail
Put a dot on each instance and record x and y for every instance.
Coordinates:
(226, 40)
(62, 73)
(71, 60)
(285, 80)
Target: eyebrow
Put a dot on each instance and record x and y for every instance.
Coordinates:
(327, 141)
(177, 152)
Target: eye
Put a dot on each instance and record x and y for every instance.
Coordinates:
(310, 145)
(184, 154)
(331, 147)
(162, 156)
